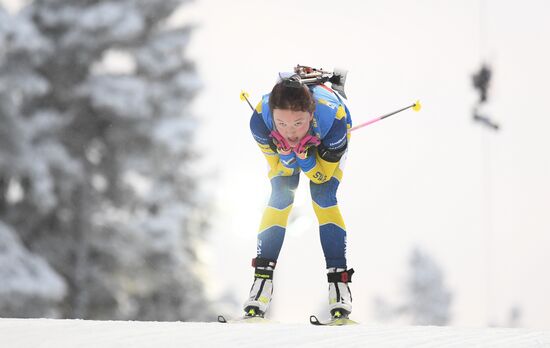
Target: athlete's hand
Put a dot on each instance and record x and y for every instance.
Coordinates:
(305, 144)
(283, 147)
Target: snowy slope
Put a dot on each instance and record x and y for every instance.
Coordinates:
(35, 333)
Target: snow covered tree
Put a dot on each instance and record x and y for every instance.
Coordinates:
(427, 300)
(29, 157)
(29, 287)
(120, 215)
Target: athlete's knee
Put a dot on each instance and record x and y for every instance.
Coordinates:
(324, 194)
(282, 191)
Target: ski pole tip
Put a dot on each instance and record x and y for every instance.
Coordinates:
(417, 106)
(244, 95)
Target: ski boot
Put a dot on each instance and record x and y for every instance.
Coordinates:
(262, 288)
(339, 293)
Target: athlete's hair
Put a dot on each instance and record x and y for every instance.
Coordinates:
(288, 97)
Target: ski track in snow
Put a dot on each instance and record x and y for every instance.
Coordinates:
(45, 333)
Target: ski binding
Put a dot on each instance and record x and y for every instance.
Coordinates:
(336, 320)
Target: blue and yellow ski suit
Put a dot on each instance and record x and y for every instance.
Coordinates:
(331, 122)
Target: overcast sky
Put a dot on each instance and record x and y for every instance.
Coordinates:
(475, 200)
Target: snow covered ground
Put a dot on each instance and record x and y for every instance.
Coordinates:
(43, 333)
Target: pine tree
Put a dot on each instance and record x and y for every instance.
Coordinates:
(128, 214)
(29, 155)
(427, 300)
(29, 287)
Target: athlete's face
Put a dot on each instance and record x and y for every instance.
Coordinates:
(293, 125)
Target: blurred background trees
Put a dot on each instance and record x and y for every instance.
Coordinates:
(427, 300)
(101, 211)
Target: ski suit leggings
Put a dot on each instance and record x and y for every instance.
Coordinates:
(331, 224)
